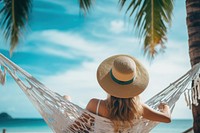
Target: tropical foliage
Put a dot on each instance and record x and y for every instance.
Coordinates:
(15, 14)
(151, 19)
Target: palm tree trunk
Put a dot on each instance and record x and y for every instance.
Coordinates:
(193, 25)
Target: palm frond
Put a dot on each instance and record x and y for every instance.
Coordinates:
(151, 20)
(85, 5)
(14, 15)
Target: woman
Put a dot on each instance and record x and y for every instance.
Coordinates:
(123, 78)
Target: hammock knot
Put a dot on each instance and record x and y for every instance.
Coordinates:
(2, 76)
(196, 91)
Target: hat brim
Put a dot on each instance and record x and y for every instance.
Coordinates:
(122, 91)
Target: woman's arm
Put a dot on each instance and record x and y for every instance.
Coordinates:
(163, 116)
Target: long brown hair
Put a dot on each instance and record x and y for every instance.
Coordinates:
(122, 111)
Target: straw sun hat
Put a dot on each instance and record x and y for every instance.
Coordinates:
(122, 76)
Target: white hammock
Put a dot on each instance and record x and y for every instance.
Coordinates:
(62, 116)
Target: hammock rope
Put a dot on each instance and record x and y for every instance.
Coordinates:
(2, 75)
(63, 116)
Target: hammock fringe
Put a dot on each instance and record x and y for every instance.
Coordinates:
(196, 91)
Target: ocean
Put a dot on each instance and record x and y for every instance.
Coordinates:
(39, 126)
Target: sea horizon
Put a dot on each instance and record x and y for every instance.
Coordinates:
(38, 125)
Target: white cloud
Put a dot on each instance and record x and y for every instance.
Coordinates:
(57, 52)
(117, 26)
(77, 44)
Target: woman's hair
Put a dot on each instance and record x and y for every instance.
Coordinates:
(122, 111)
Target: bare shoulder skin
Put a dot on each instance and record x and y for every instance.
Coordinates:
(92, 106)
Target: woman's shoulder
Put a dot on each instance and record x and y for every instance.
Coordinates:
(94, 100)
(102, 109)
(92, 104)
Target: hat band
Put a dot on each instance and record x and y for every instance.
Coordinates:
(119, 81)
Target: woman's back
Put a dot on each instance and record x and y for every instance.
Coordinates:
(101, 108)
(120, 111)
(102, 125)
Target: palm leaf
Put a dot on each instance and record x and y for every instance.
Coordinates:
(14, 15)
(85, 5)
(151, 20)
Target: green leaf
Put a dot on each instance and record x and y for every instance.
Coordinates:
(151, 20)
(14, 15)
(85, 5)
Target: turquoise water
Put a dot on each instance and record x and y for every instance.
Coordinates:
(25, 125)
(39, 126)
(176, 126)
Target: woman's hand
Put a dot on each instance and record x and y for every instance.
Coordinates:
(163, 107)
(66, 97)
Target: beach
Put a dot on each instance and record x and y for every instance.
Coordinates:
(39, 126)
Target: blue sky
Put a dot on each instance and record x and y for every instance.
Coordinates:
(63, 49)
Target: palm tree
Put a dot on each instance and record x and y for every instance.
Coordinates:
(152, 18)
(193, 25)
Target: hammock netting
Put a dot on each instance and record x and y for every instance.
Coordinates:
(63, 116)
